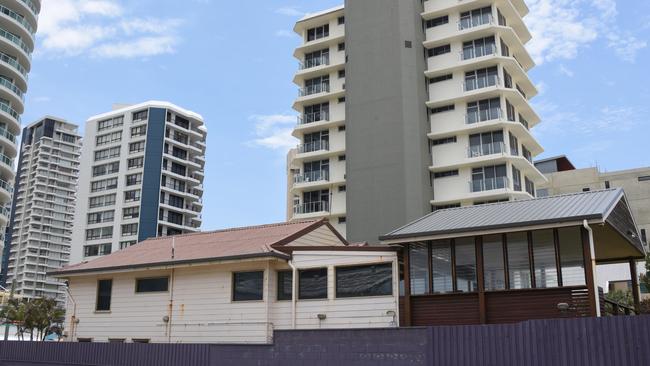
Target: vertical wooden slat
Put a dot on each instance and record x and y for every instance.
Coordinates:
(531, 260)
(454, 283)
(506, 268)
(407, 285)
(589, 271)
(635, 286)
(430, 266)
(558, 263)
(482, 306)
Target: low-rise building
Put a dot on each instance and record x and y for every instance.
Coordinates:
(232, 286)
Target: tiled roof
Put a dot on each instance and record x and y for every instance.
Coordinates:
(235, 243)
(562, 208)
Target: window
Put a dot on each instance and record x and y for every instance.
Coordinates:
(438, 79)
(516, 179)
(99, 201)
(419, 268)
(341, 20)
(116, 340)
(248, 286)
(316, 112)
(312, 284)
(107, 153)
(483, 110)
(479, 47)
(440, 50)
(607, 185)
(99, 233)
(493, 263)
(465, 252)
(342, 100)
(135, 163)
(481, 78)
(140, 340)
(127, 243)
(342, 188)
(437, 21)
(158, 284)
(530, 186)
(445, 108)
(341, 157)
(342, 220)
(84, 340)
(341, 74)
(133, 179)
(110, 168)
(408, 44)
(178, 169)
(475, 18)
(103, 185)
(510, 111)
(108, 138)
(139, 131)
(341, 128)
(442, 280)
(110, 123)
(518, 261)
(444, 207)
(544, 259)
(104, 289)
(341, 46)
(586, 189)
(489, 178)
(131, 213)
(129, 229)
(97, 217)
(571, 256)
(141, 115)
(360, 281)
(97, 249)
(285, 285)
(486, 143)
(130, 196)
(449, 173)
(443, 141)
(644, 237)
(136, 147)
(318, 32)
(644, 178)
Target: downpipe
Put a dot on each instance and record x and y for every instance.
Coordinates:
(592, 250)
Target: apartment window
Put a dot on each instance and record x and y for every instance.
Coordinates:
(341, 128)
(486, 143)
(465, 258)
(481, 78)
(131, 196)
(110, 123)
(131, 213)
(435, 22)
(441, 78)
(248, 286)
(146, 285)
(442, 109)
(135, 163)
(129, 229)
(179, 153)
(342, 220)
(108, 138)
(104, 169)
(139, 131)
(544, 259)
(341, 20)
(312, 284)
(644, 237)
(514, 144)
(341, 46)
(99, 233)
(483, 110)
(341, 157)
(571, 256)
(516, 179)
(116, 340)
(84, 340)
(317, 58)
(518, 261)
(510, 111)
(141, 115)
(489, 177)
(136, 147)
(318, 32)
(104, 290)
(127, 243)
(178, 169)
(493, 263)
(449, 173)
(479, 47)
(107, 153)
(475, 18)
(174, 218)
(133, 179)
(443, 141)
(440, 50)
(363, 281)
(342, 100)
(341, 74)
(316, 85)
(285, 285)
(103, 185)
(342, 188)
(502, 19)
(316, 112)
(97, 249)
(99, 201)
(530, 186)
(98, 217)
(173, 200)
(174, 184)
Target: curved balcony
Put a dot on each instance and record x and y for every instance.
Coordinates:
(33, 9)
(13, 45)
(15, 116)
(26, 26)
(13, 90)
(6, 191)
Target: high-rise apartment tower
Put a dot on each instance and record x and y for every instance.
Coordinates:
(411, 106)
(142, 170)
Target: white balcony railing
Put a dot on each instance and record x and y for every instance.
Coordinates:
(486, 149)
(311, 207)
(308, 63)
(315, 176)
(481, 82)
(313, 117)
(475, 21)
(483, 115)
(489, 184)
(314, 89)
(314, 146)
(474, 52)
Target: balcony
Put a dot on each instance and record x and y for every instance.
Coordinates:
(473, 21)
(315, 176)
(486, 149)
(315, 62)
(320, 145)
(311, 207)
(314, 89)
(313, 117)
(480, 83)
(491, 114)
(489, 184)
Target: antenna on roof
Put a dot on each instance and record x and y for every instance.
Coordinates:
(173, 245)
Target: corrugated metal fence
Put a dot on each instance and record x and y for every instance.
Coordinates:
(574, 342)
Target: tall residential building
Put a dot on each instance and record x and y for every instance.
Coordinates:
(142, 170)
(43, 206)
(18, 23)
(411, 106)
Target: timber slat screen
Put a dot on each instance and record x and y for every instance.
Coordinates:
(499, 278)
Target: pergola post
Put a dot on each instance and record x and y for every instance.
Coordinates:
(407, 286)
(590, 268)
(635, 286)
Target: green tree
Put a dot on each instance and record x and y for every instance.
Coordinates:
(38, 317)
(645, 277)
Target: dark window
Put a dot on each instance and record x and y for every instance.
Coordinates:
(312, 283)
(318, 32)
(438, 79)
(342, 220)
(440, 50)
(437, 21)
(341, 20)
(137, 116)
(445, 108)
(248, 286)
(450, 173)
(84, 340)
(341, 157)
(342, 188)
(140, 340)
(342, 46)
(104, 289)
(342, 100)
(285, 284)
(644, 178)
(493, 263)
(607, 185)
(465, 251)
(341, 74)
(370, 280)
(644, 236)
(160, 284)
(442, 141)
(518, 261)
(586, 189)
(419, 268)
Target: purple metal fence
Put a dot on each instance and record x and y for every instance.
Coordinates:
(565, 342)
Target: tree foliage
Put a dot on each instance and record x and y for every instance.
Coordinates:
(38, 317)
(645, 278)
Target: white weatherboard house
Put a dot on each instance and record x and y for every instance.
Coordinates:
(232, 286)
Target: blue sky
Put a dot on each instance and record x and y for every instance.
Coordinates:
(231, 61)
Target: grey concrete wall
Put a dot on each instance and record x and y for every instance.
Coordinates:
(386, 117)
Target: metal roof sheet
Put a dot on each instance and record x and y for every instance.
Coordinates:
(538, 211)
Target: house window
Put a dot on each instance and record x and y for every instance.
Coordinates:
(285, 285)
(158, 284)
(129, 229)
(312, 284)
(440, 50)
(493, 263)
(419, 268)
(318, 32)
(465, 257)
(98, 249)
(104, 289)
(442, 280)
(544, 259)
(518, 261)
(571, 256)
(437, 21)
(361, 281)
(248, 286)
